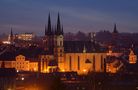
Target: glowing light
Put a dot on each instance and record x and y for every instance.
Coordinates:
(22, 78)
(84, 70)
(45, 70)
(35, 69)
(6, 42)
(17, 71)
(63, 70)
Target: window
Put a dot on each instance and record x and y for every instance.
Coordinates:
(70, 67)
(78, 63)
(60, 43)
(93, 62)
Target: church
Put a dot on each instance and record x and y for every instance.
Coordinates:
(69, 56)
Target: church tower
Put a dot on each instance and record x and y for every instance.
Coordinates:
(11, 37)
(132, 57)
(115, 35)
(49, 35)
(115, 29)
(58, 45)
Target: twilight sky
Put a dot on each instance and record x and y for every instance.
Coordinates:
(76, 15)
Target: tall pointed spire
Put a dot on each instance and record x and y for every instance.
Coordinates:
(11, 36)
(115, 29)
(49, 23)
(48, 30)
(59, 31)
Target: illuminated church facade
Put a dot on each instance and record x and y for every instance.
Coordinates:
(67, 56)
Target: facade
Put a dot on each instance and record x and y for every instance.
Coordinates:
(25, 36)
(132, 57)
(21, 64)
(67, 56)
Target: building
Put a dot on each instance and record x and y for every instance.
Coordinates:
(10, 39)
(132, 57)
(20, 63)
(66, 56)
(114, 66)
(25, 36)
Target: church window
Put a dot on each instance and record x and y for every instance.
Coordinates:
(70, 67)
(102, 61)
(93, 62)
(78, 63)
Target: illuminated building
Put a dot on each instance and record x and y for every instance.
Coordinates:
(25, 36)
(132, 57)
(113, 64)
(66, 56)
(21, 64)
(112, 53)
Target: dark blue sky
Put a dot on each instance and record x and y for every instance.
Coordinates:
(83, 15)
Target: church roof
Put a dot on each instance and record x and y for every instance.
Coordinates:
(78, 46)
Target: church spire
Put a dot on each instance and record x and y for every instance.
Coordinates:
(58, 31)
(115, 29)
(11, 36)
(48, 30)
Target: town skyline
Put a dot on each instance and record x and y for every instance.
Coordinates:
(88, 16)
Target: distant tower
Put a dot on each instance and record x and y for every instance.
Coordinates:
(115, 29)
(11, 37)
(115, 35)
(58, 44)
(49, 35)
(132, 56)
